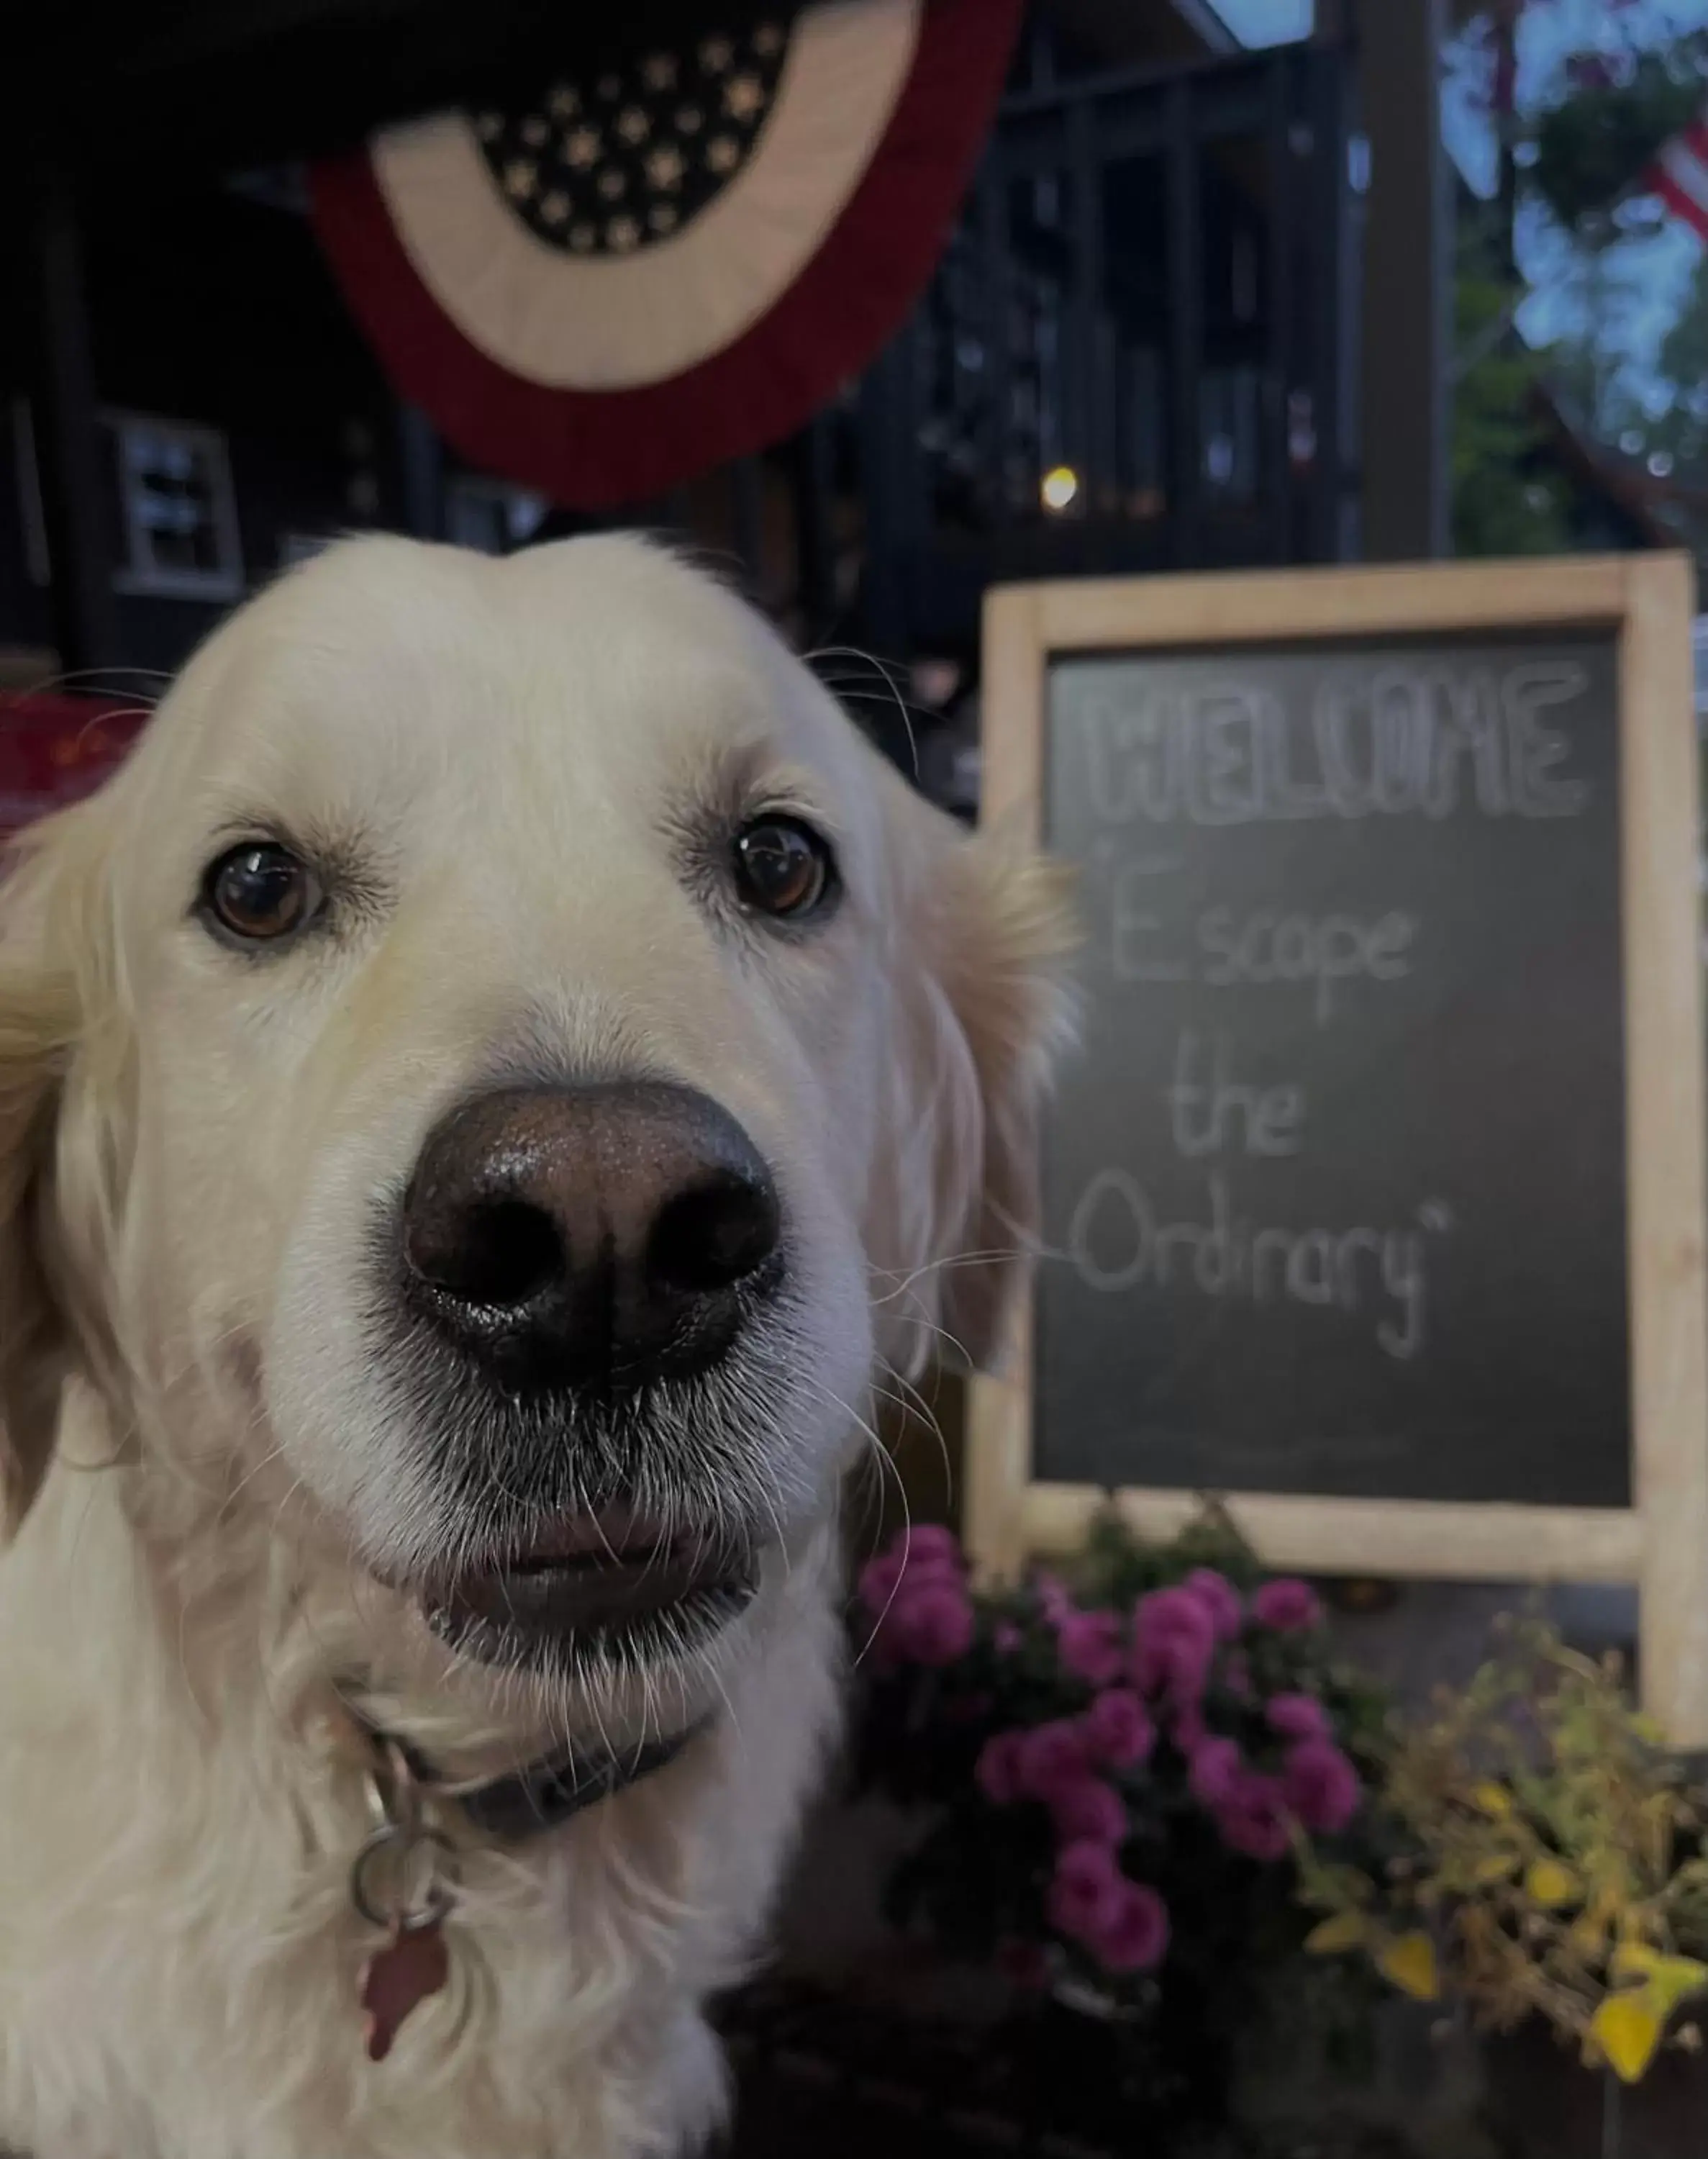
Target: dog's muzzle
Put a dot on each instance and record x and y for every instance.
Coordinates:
(595, 1239)
(573, 1252)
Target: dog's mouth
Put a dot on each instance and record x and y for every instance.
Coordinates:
(590, 1590)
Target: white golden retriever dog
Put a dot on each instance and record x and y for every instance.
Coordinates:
(481, 1093)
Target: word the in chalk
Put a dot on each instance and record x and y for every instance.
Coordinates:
(1210, 1112)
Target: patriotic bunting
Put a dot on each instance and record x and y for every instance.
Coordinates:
(638, 271)
(1680, 176)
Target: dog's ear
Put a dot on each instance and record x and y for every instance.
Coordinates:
(41, 1003)
(983, 929)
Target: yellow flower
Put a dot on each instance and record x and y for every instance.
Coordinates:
(1667, 1981)
(1626, 2027)
(1345, 1930)
(1494, 1800)
(1550, 1883)
(1497, 1866)
(1409, 1962)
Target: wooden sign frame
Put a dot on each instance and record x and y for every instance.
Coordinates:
(1660, 1543)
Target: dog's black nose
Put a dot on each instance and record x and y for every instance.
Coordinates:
(600, 1236)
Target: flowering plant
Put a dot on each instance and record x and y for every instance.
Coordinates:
(1543, 1859)
(1116, 1760)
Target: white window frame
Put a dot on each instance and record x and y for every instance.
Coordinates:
(139, 573)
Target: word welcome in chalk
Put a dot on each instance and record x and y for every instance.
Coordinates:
(1116, 1244)
(1418, 739)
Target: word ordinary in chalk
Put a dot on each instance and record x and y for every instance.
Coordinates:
(1118, 1243)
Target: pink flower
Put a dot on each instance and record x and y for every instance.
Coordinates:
(1219, 1598)
(1053, 1598)
(929, 1545)
(1215, 1773)
(1006, 1639)
(1288, 1605)
(1322, 1786)
(1188, 1729)
(1118, 1728)
(930, 1622)
(879, 1580)
(1089, 1646)
(1253, 1819)
(1177, 1665)
(1166, 1613)
(1051, 1757)
(1236, 1676)
(1175, 1640)
(996, 1771)
(1089, 1813)
(1085, 1893)
(1297, 1717)
(915, 1555)
(1134, 1935)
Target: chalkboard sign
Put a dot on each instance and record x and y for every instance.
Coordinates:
(1373, 1199)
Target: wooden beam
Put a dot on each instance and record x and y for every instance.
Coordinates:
(67, 438)
(1407, 281)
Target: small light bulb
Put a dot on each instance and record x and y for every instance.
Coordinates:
(1060, 488)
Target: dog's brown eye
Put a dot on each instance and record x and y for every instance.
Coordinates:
(260, 892)
(784, 868)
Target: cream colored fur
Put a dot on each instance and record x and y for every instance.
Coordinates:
(207, 1488)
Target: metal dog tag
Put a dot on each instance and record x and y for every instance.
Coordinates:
(406, 1971)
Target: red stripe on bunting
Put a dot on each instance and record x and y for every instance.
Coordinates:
(594, 449)
(1679, 200)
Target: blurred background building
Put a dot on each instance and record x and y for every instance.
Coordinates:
(1145, 348)
(1240, 281)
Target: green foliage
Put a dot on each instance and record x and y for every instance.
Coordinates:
(1593, 147)
(1579, 158)
(1506, 499)
(1543, 1859)
(1115, 1566)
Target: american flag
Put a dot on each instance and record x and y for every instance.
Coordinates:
(1680, 174)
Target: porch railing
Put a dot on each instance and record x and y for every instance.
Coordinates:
(1137, 354)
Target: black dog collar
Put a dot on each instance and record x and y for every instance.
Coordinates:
(529, 1802)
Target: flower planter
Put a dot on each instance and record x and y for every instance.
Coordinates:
(1540, 2103)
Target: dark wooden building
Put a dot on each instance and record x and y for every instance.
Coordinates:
(1141, 351)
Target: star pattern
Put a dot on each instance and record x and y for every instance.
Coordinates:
(743, 96)
(625, 161)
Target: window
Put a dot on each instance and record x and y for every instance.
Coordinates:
(178, 515)
(490, 514)
(1266, 21)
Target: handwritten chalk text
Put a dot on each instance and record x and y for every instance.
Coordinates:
(1394, 741)
(1118, 1245)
